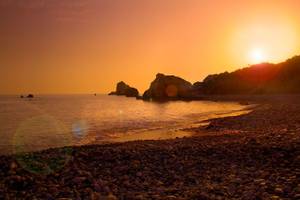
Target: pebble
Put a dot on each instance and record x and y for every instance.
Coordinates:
(297, 196)
(278, 190)
(275, 197)
(111, 197)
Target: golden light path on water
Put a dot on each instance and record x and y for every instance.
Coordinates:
(52, 121)
(173, 131)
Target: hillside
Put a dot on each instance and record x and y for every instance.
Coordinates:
(265, 78)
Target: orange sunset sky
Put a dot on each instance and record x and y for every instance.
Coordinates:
(86, 46)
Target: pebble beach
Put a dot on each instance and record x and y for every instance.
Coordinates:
(252, 156)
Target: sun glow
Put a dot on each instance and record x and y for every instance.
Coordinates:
(259, 39)
(257, 55)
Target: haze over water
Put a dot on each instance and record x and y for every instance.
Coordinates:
(63, 120)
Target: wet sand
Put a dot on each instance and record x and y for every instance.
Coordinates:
(252, 156)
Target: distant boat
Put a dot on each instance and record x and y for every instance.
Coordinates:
(22, 96)
(95, 94)
(30, 96)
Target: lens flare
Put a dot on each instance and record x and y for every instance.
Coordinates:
(171, 91)
(38, 133)
(79, 129)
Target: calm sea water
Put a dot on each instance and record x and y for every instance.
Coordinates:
(62, 120)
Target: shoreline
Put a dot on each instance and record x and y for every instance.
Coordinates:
(154, 129)
(256, 155)
(180, 131)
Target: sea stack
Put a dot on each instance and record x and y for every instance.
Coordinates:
(168, 87)
(30, 96)
(123, 89)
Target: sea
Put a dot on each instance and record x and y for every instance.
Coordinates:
(50, 121)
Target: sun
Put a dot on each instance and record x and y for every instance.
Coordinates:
(257, 55)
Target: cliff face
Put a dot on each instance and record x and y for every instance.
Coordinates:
(123, 89)
(167, 88)
(263, 78)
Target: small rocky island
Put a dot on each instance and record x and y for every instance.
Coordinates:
(168, 87)
(163, 88)
(29, 96)
(123, 89)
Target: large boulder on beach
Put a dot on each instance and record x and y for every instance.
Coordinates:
(168, 87)
(123, 89)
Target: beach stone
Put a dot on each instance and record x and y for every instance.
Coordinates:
(13, 165)
(274, 197)
(16, 182)
(139, 174)
(53, 190)
(111, 197)
(97, 187)
(252, 141)
(297, 196)
(79, 180)
(139, 197)
(278, 190)
(171, 197)
(96, 196)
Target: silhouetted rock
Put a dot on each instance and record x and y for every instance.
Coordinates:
(131, 92)
(125, 90)
(139, 97)
(122, 88)
(265, 78)
(22, 96)
(198, 85)
(30, 96)
(166, 87)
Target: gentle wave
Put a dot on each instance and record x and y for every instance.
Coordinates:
(63, 120)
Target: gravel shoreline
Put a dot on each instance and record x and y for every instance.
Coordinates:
(253, 156)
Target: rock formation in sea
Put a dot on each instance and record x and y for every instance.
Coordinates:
(123, 89)
(168, 87)
(30, 96)
(264, 78)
